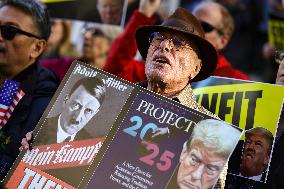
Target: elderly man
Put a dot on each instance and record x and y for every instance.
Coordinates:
(256, 153)
(79, 107)
(25, 28)
(176, 54)
(205, 154)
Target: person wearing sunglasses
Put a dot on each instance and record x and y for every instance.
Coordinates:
(218, 26)
(24, 30)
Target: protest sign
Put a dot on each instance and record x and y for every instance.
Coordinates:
(110, 138)
(249, 105)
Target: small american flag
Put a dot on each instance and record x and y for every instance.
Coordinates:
(17, 97)
(10, 95)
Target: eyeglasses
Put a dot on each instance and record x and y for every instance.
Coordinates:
(156, 38)
(9, 32)
(209, 28)
(279, 55)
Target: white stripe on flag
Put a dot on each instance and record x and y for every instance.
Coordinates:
(3, 106)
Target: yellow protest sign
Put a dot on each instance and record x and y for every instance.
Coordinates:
(244, 104)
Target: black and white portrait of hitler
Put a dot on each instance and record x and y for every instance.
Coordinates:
(79, 106)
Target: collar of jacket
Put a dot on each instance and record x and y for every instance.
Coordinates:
(185, 97)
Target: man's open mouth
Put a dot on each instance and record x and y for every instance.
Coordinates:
(162, 60)
(249, 155)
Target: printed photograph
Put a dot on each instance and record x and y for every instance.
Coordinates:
(204, 155)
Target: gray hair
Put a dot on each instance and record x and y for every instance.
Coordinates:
(215, 135)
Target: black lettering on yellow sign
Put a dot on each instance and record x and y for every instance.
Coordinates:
(225, 109)
(237, 108)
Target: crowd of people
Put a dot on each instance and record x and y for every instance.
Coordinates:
(173, 52)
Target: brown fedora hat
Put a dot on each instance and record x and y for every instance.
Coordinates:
(182, 21)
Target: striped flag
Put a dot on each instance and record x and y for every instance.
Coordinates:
(6, 96)
(10, 95)
(17, 97)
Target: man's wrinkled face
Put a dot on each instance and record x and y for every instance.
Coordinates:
(16, 53)
(171, 58)
(199, 167)
(255, 155)
(78, 109)
(110, 11)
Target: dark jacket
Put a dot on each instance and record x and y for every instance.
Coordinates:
(39, 85)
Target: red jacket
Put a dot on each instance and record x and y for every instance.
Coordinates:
(121, 62)
(225, 69)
